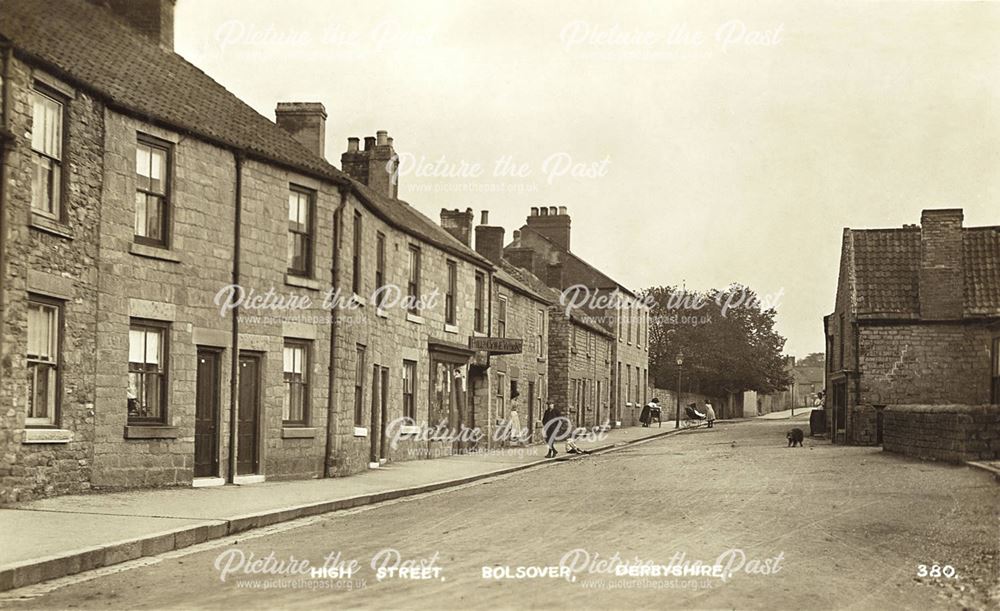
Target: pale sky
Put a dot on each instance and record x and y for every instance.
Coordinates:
(717, 142)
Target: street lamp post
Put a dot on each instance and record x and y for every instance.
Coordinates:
(677, 414)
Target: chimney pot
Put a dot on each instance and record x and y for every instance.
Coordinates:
(352, 145)
(388, 141)
(485, 217)
(534, 211)
(369, 142)
(382, 137)
(554, 223)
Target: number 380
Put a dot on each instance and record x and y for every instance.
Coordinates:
(935, 570)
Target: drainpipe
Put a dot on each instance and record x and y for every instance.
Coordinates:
(6, 141)
(234, 381)
(329, 461)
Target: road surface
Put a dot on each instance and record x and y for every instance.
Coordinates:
(814, 527)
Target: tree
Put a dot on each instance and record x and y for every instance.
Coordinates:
(726, 336)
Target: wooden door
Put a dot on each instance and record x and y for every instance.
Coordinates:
(248, 419)
(206, 414)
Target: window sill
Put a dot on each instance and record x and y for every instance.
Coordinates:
(302, 282)
(47, 435)
(50, 225)
(381, 313)
(450, 328)
(358, 299)
(153, 252)
(150, 431)
(360, 431)
(478, 334)
(298, 432)
(415, 318)
(541, 359)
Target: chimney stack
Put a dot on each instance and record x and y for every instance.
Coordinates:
(152, 18)
(306, 122)
(458, 223)
(489, 240)
(376, 166)
(941, 290)
(553, 223)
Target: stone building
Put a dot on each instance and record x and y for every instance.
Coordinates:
(916, 321)
(542, 245)
(140, 199)
(511, 367)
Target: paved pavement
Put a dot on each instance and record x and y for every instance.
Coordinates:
(63, 535)
(817, 527)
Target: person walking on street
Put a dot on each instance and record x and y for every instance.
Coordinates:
(709, 413)
(550, 428)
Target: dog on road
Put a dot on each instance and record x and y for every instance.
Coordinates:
(795, 436)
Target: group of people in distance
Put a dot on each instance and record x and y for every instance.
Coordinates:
(557, 427)
(653, 411)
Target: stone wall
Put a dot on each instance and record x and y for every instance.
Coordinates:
(53, 259)
(933, 363)
(391, 335)
(588, 362)
(528, 367)
(952, 433)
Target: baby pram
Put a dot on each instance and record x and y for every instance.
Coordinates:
(693, 414)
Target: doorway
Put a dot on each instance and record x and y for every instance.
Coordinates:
(248, 416)
(379, 451)
(206, 414)
(840, 412)
(531, 410)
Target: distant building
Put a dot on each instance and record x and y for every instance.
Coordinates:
(916, 321)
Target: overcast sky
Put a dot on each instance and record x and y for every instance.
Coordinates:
(698, 142)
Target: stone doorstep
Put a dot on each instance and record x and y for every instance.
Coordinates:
(29, 572)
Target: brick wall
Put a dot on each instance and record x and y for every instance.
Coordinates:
(952, 433)
(53, 259)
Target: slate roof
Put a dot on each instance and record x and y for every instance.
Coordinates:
(548, 294)
(89, 47)
(886, 271)
(610, 283)
(526, 282)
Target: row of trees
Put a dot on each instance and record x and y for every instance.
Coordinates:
(726, 338)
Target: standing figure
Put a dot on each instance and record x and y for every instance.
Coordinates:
(709, 413)
(550, 428)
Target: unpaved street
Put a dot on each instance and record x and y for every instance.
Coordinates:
(836, 527)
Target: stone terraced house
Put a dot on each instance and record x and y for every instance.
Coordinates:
(542, 246)
(152, 222)
(916, 321)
